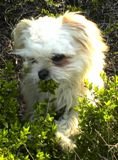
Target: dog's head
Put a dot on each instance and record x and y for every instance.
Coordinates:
(63, 49)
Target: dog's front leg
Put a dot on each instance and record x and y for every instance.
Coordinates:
(67, 126)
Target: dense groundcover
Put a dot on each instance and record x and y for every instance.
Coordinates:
(98, 138)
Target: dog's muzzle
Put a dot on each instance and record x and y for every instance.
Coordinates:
(43, 74)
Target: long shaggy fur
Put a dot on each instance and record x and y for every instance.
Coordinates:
(81, 43)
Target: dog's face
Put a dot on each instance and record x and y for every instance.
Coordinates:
(61, 48)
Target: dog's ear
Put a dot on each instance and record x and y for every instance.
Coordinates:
(84, 32)
(73, 19)
(77, 26)
(20, 32)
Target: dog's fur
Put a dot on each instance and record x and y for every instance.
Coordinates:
(81, 43)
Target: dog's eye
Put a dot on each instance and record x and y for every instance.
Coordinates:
(60, 59)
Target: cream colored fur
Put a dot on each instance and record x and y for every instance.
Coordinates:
(81, 42)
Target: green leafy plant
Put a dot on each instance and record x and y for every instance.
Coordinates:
(48, 86)
(98, 138)
(35, 139)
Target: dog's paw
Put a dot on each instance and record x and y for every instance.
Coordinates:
(65, 142)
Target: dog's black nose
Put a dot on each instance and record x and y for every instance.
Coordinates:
(43, 74)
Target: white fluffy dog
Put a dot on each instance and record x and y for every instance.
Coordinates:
(68, 50)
